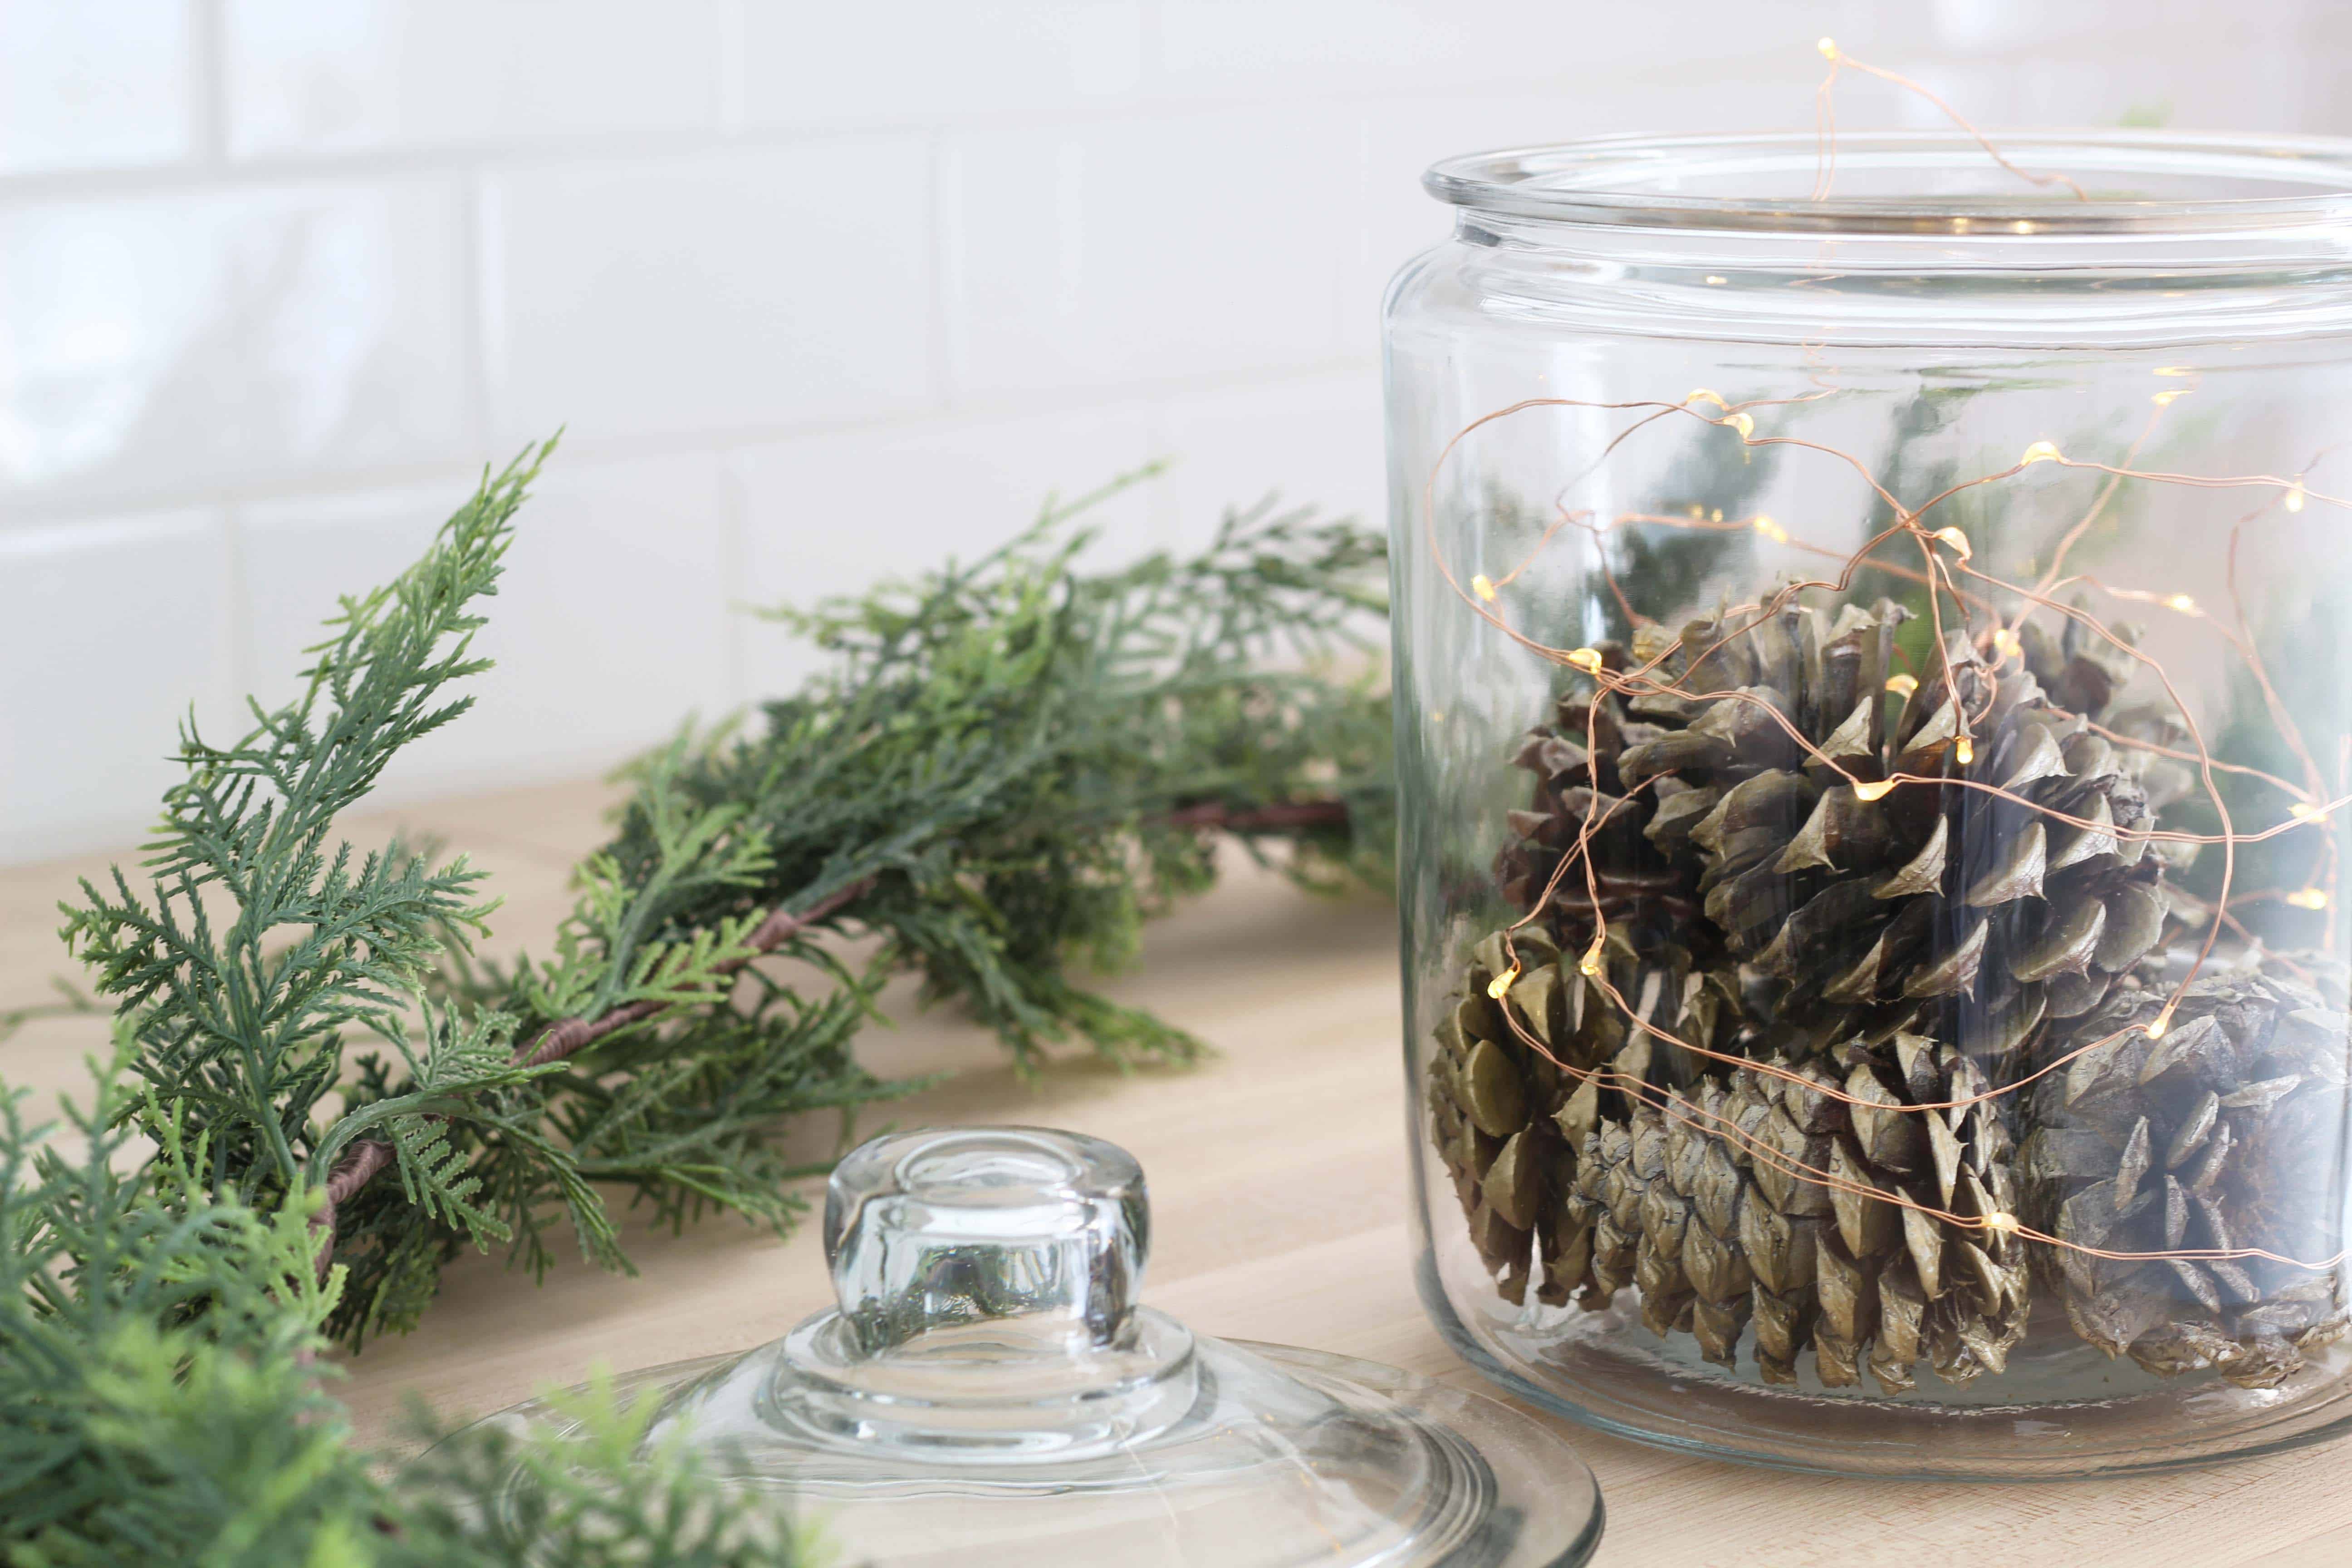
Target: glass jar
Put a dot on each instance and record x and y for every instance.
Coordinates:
(1872, 730)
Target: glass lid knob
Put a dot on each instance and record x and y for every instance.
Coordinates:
(1033, 1236)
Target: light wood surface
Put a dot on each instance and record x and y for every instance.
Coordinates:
(1277, 1175)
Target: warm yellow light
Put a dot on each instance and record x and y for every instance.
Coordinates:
(1903, 685)
(1768, 528)
(1965, 749)
(1590, 964)
(1829, 48)
(2308, 899)
(1716, 516)
(2174, 370)
(1587, 660)
(2022, 226)
(2003, 1221)
(2304, 811)
(1697, 512)
(1704, 394)
(1501, 984)
(1717, 278)
(1956, 540)
(1484, 586)
(1744, 425)
(2161, 1022)
(2182, 601)
(2005, 642)
(2042, 452)
(1873, 791)
(2163, 398)
(2294, 499)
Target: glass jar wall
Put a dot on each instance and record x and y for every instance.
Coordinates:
(1872, 728)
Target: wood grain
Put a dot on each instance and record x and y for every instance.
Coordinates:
(1277, 1174)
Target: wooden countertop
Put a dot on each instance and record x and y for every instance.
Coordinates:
(1277, 1174)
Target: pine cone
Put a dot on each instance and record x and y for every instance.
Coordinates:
(1757, 906)
(2224, 1133)
(1706, 1204)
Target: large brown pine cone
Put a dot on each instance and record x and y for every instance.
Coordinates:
(1758, 907)
(2224, 1133)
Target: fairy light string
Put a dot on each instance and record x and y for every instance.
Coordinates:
(1949, 560)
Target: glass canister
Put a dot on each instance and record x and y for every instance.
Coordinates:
(1871, 662)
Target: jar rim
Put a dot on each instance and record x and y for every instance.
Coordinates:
(1943, 183)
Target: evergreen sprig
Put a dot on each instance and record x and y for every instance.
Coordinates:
(321, 1093)
(158, 1343)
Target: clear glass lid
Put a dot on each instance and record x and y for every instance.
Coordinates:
(988, 1392)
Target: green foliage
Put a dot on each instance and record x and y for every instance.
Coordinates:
(1010, 766)
(1017, 756)
(240, 1020)
(156, 1344)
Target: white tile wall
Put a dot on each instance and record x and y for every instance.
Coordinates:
(824, 292)
(159, 343)
(95, 87)
(308, 76)
(127, 618)
(732, 289)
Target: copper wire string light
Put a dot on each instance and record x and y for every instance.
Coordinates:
(1946, 557)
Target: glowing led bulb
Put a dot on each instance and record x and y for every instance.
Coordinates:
(1956, 540)
(1829, 48)
(2308, 899)
(1590, 964)
(1704, 394)
(1873, 791)
(1587, 660)
(2163, 399)
(2304, 811)
(1965, 749)
(1902, 685)
(2294, 499)
(1769, 529)
(2003, 1221)
(1744, 425)
(2182, 601)
(1484, 586)
(2041, 452)
(1501, 984)
(2161, 1022)
(1716, 279)
(2005, 642)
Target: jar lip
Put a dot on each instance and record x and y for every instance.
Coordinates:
(1943, 183)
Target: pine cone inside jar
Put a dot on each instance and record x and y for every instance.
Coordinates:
(2224, 1133)
(1717, 1192)
(1900, 949)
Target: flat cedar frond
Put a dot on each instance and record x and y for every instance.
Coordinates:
(1026, 761)
(1011, 766)
(243, 1022)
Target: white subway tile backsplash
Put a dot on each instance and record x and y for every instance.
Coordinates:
(111, 631)
(1315, 442)
(832, 514)
(810, 64)
(608, 628)
(825, 294)
(738, 289)
(175, 339)
(94, 86)
(1189, 245)
(308, 78)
